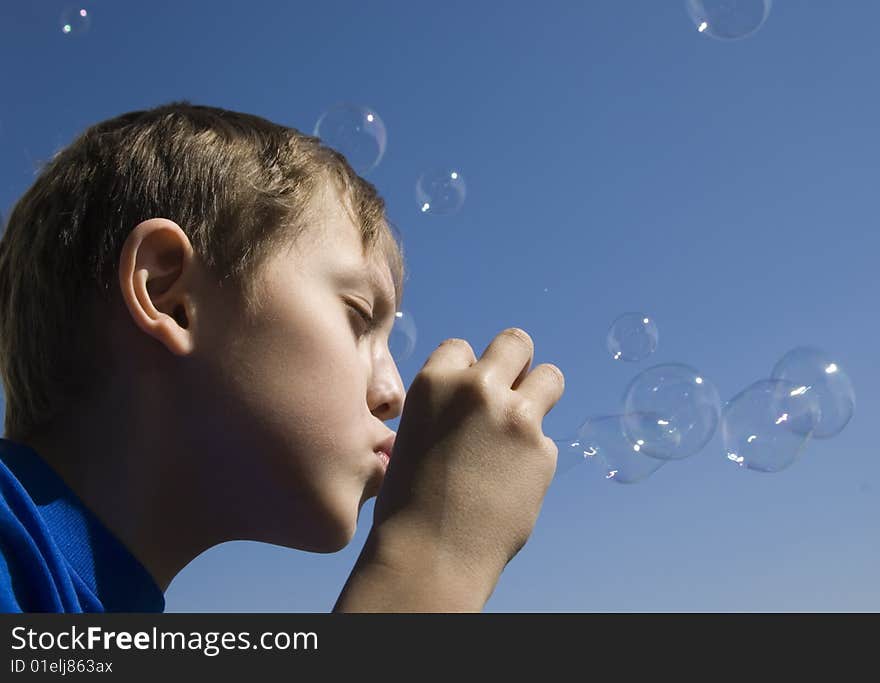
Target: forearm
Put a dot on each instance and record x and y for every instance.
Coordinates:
(411, 579)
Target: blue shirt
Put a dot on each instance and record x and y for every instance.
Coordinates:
(55, 556)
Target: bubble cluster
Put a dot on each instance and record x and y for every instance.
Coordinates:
(357, 132)
(671, 411)
(441, 191)
(632, 337)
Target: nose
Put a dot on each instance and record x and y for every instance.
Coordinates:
(386, 393)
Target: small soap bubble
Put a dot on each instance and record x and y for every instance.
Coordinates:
(686, 404)
(632, 337)
(357, 132)
(728, 19)
(441, 191)
(819, 373)
(601, 440)
(75, 20)
(402, 340)
(766, 426)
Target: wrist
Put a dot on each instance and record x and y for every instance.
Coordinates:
(397, 572)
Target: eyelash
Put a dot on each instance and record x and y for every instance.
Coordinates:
(368, 321)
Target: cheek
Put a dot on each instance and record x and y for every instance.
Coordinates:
(313, 353)
(335, 367)
(303, 377)
(321, 382)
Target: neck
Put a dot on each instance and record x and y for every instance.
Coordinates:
(138, 488)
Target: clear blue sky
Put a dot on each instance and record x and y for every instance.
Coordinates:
(614, 157)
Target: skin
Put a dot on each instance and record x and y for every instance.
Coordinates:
(216, 427)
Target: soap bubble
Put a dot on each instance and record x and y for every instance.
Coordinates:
(75, 20)
(601, 440)
(728, 19)
(402, 340)
(441, 191)
(632, 337)
(686, 402)
(766, 426)
(355, 131)
(820, 374)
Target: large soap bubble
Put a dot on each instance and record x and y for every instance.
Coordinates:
(357, 132)
(820, 374)
(441, 190)
(632, 337)
(685, 402)
(766, 426)
(601, 440)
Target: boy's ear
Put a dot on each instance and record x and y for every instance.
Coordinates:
(156, 274)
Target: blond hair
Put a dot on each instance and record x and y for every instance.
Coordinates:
(237, 184)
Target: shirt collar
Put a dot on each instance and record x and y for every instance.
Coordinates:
(105, 565)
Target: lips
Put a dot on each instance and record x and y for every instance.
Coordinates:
(386, 447)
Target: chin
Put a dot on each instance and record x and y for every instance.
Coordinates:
(322, 523)
(333, 544)
(335, 533)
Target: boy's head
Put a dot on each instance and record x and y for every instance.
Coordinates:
(187, 283)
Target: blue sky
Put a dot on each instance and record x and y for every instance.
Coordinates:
(615, 158)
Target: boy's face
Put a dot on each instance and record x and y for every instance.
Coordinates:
(299, 395)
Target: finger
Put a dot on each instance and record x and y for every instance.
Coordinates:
(452, 353)
(508, 356)
(543, 386)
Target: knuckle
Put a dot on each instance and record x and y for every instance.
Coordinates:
(550, 455)
(425, 376)
(477, 387)
(425, 382)
(520, 417)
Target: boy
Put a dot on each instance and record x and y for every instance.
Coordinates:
(194, 313)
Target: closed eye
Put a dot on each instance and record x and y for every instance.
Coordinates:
(369, 321)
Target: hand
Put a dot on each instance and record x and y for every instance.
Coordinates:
(471, 464)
